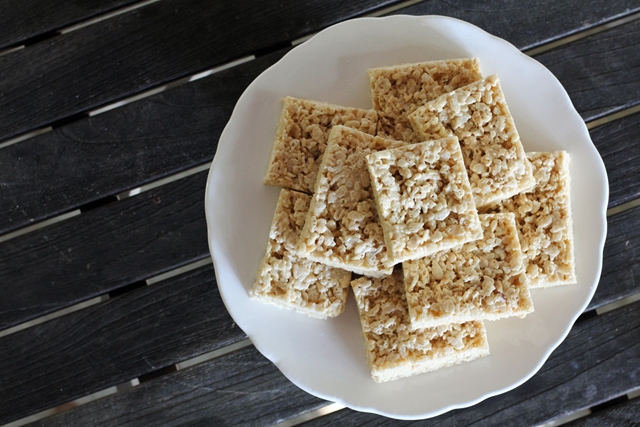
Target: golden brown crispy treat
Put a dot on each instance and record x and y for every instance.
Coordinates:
(399, 90)
(288, 281)
(545, 226)
(493, 154)
(481, 280)
(424, 199)
(342, 228)
(301, 139)
(393, 349)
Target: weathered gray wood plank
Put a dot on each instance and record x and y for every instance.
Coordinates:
(22, 20)
(102, 250)
(82, 70)
(621, 259)
(625, 414)
(599, 359)
(112, 342)
(239, 389)
(120, 149)
(528, 23)
(601, 72)
(619, 145)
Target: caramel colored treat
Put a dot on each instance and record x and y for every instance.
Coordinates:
(424, 199)
(288, 281)
(482, 280)
(393, 349)
(301, 139)
(398, 91)
(342, 227)
(493, 154)
(545, 227)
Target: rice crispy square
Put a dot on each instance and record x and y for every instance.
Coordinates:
(289, 281)
(301, 139)
(544, 221)
(481, 280)
(399, 90)
(424, 199)
(342, 227)
(393, 349)
(493, 154)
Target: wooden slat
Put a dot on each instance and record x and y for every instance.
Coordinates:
(22, 20)
(112, 342)
(120, 149)
(163, 41)
(625, 414)
(619, 145)
(239, 389)
(601, 72)
(599, 359)
(528, 23)
(102, 250)
(621, 259)
(167, 132)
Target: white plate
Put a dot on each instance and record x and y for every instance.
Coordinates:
(326, 358)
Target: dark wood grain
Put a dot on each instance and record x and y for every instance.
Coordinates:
(112, 342)
(601, 72)
(621, 259)
(102, 250)
(625, 414)
(527, 23)
(22, 20)
(120, 149)
(619, 145)
(599, 359)
(239, 389)
(163, 41)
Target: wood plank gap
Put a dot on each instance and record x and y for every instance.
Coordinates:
(39, 225)
(163, 181)
(157, 373)
(623, 207)
(98, 203)
(582, 34)
(588, 314)
(25, 136)
(222, 67)
(40, 38)
(609, 403)
(214, 354)
(611, 117)
(567, 419)
(128, 100)
(178, 271)
(127, 288)
(325, 410)
(617, 304)
(11, 49)
(106, 16)
(54, 315)
(73, 404)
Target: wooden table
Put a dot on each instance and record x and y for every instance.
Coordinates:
(109, 310)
